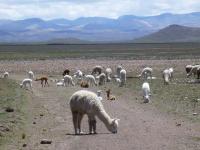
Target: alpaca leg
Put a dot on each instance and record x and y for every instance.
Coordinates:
(75, 122)
(94, 126)
(90, 126)
(47, 82)
(80, 117)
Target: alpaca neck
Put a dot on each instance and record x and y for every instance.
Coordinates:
(105, 118)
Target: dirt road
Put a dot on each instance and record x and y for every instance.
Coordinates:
(141, 126)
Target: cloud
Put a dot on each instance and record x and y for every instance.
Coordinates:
(71, 9)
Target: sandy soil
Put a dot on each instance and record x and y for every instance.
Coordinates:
(141, 126)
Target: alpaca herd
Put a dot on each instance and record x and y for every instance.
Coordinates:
(90, 103)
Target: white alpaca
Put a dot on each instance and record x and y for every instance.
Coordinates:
(26, 82)
(119, 68)
(146, 72)
(193, 70)
(68, 80)
(102, 79)
(78, 74)
(146, 92)
(31, 74)
(171, 71)
(6, 75)
(122, 77)
(60, 83)
(86, 102)
(90, 79)
(166, 76)
(108, 74)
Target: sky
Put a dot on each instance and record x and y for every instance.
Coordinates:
(72, 9)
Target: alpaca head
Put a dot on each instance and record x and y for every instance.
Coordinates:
(114, 125)
(21, 85)
(146, 98)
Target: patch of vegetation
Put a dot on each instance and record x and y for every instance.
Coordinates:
(12, 97)
(178, 97)
(87, 51)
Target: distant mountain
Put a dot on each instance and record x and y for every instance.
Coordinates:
(67, 41)
(95, 29)
(172, 33)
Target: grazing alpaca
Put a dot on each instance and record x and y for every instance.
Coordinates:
(171, 71)
(146, 72)
(86, 102)
(60, 83)
(119, 68)
(166, 76)
(146, 92)
(66, 72)
(90, 79)
(122, 77)
(31, 74)
(97, 70)
(44, 81)
(6, 75)
(26, 82)
(68, 80)
(109, 96)
(102, 79)
(108, 74)
(193, 70)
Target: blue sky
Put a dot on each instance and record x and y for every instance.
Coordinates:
(72, 9)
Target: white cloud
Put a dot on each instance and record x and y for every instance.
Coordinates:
(71, 9)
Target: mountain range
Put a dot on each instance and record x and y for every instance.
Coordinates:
(93, 29)
(171, 34)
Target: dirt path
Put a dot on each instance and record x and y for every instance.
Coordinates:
(141, 127)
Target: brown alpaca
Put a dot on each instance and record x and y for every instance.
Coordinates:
(109, 96)
(44, 81)
(84, 84)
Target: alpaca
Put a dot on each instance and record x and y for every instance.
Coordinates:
(78, 74)
(6, 74)
(122, 77)
(119, 68)
(60, 83)
(87, 102)
(97, 70)
(31, 74)
(90, 79)
(146, 92)
(166, 76)
(68, 80)
(146, 72)
(44, 81)
(66, 72)
(109, 96)
(84, 84)
(102, 79)
(108, 74)
(193, 70)
(188, 68)
(26, 82)
(171, 71)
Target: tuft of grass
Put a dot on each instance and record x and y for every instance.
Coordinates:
(11, 96)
